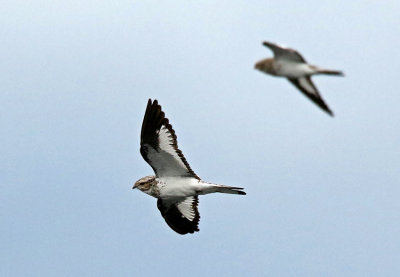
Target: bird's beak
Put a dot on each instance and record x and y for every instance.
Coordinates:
(134, 187)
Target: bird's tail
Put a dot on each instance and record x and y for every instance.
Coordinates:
(330, 72)
(228, 189)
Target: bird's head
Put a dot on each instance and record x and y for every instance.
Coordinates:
(258, 65)
(266, 65)
(144, 184)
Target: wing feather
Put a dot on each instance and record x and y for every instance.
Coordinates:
(181, 215)
(306, 86)
(284, 53)
(159, 145)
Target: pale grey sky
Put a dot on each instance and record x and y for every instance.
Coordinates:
(323, 193)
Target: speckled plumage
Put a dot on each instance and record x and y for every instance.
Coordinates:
(175, 184)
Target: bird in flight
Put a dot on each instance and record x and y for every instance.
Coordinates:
(290, 64)
(175, 185)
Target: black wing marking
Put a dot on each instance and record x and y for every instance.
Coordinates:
(181, 215)
(306, 86)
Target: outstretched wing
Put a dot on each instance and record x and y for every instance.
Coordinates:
(306, 86)
(284, 53)
(181, 215)
(159, 146)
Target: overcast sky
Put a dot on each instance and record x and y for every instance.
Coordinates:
(322, 193)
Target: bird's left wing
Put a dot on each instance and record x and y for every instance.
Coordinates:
(181, 215)
(281, 52)
(306, 86)
(159, 146)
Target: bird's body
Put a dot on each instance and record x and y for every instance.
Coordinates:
(175, 185)
(290, 64)
(289, 69)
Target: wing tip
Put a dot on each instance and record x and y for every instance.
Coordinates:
(323, 106)
(326, 109)
(266, 43)
(152, 102)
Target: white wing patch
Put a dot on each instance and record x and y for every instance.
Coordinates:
(166, 160)
(166, 140)
(186, 208)
(307, 86)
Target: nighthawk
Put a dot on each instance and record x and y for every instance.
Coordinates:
(175, 185)
(290, 64)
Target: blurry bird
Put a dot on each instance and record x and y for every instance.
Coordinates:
(290, 64)
(175, 185)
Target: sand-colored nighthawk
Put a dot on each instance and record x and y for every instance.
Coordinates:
(290, 64)
(175, 185)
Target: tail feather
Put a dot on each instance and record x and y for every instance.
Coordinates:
(330, 72)
(228, 189)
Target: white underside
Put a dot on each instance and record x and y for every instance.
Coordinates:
(176, 187)
(291, 69)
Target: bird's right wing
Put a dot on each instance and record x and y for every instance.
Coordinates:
(306, 86)
(181, 215)
(284, 53)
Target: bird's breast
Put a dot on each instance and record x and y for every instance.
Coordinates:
(291, 69)
(178, 187)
